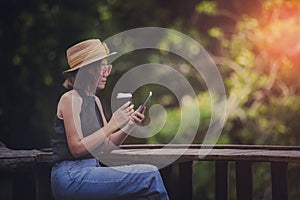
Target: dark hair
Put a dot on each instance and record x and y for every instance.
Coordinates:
(70, 79)
(84, 78)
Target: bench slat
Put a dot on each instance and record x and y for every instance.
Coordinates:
(221, 180)
(186, 180)
(279, 181)
(244, 181)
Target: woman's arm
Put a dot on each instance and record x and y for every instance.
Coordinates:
(69, 106)
(120, 136)
(135, 119)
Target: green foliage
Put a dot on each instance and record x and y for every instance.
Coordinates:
(262, 89)
(204, 186)
(207, 7)
(174, 117)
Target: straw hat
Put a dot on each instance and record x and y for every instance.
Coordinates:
(86, 52)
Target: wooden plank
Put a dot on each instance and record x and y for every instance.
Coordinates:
(9, 153)
(251, 155)
(167, 155)
(16, 164)
(186, 180)
(244, 183)
(16, 160)
(208, 146)
(221, 180)
(166, 174)
(279, 181)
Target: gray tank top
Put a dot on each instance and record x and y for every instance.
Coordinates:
(91, 121)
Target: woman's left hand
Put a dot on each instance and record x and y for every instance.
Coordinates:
(136, 118)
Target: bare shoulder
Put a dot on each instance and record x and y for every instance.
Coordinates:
(66, 100)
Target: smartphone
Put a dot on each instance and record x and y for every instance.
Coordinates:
(145, 102)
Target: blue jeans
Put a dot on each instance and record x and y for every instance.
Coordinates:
(86, 179)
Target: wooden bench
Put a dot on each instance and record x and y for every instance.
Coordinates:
(25, 174)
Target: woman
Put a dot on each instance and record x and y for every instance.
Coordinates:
(81, 130)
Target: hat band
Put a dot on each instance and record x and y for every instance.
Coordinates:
(86, 56)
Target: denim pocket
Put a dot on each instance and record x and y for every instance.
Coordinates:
(73, 164)
(74, 169)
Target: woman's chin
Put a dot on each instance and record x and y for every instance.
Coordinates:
(101, 86)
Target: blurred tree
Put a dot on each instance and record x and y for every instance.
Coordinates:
(263, 87)
(259, 61)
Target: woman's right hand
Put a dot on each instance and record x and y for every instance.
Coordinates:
(122, 115)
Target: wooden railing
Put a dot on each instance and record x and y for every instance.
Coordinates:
(25, 174)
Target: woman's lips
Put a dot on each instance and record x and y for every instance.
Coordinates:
(103, 81)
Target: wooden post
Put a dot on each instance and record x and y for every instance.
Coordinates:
(279, 181)
(244, 180)
(43, 181)
(166, 174)
(221, 180)
(186, 180)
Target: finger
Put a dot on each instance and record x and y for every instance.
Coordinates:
(136, 120)
(130, 109)
(141, 109)
(125, 105)
(140, 115)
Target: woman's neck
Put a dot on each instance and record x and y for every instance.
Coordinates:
(84, 92)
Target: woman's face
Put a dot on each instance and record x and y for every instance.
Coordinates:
(104, 71)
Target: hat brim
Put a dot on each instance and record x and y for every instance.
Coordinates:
(84, 63)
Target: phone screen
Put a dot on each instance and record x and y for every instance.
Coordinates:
(145, 102)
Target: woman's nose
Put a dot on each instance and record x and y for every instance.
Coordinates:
(104, 74)
(105, 71)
